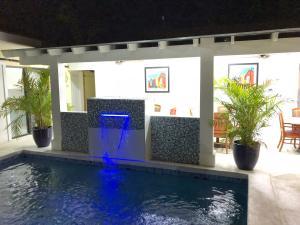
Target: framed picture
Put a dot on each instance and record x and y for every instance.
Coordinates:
(244, 72)
(157, 79)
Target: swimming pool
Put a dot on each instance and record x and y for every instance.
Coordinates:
(41, 190)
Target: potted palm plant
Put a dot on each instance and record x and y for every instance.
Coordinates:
(36, 102)
(249, 109)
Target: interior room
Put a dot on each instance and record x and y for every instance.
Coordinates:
(283, 72)
(128, 79)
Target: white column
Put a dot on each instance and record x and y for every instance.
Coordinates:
(58, 101)
(207, 157)
(4, 134)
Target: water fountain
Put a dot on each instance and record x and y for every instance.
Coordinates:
(116, 129)
(113, 130)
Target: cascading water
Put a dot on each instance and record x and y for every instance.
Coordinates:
(114, 128)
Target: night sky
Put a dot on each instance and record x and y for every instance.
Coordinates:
(58, 22)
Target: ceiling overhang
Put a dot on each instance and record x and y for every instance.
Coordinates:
(232, 38)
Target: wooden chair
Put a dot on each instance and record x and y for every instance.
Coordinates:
(157, 108)
(296, 112)
(287, 133)
(173, 111)
(220, 128)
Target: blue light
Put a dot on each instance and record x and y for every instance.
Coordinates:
(109, 121)
(105, 159)
(114, 115)
(129, 160)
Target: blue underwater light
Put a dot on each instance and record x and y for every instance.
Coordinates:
(114, 115)
(111, 119)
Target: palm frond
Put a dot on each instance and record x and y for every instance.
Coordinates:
(249, 108)
(36, 102)
(16, 124)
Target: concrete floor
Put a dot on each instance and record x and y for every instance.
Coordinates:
(18, 144)
(274, 185)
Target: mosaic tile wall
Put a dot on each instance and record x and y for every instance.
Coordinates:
(134, 108)
(74, 128)
(175, 139)
(75, 125)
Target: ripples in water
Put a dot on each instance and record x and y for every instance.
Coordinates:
(52, 192)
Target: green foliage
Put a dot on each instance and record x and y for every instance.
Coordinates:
(70, 107)
(36, 102)
(249, 108)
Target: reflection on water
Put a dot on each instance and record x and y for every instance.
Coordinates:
(53, 192)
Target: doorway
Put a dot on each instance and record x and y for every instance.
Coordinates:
(80, 86)
(12, 76)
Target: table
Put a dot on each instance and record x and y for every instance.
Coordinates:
(292, 120)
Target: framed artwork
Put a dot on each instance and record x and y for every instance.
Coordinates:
(157, 79)
(244, 72)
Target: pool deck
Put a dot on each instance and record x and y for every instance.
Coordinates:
(274, 185)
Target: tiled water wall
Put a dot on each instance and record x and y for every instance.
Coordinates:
(175, 139)
(134, 108)
(117, 128)
(122, 135)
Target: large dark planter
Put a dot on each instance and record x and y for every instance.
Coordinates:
(245, 156)
(42, 136)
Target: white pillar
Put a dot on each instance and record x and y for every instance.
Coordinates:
(58, 101)
(4, 133)
(207, 156)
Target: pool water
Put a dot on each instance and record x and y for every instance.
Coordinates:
(47, 191)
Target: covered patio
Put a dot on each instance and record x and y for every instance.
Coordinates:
(210, 53)
(273, 185)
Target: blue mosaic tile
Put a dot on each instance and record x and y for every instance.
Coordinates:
(7, 161)
(64, 159)
(135, 109)
(196, 175)
(175, 139)
(74, 128)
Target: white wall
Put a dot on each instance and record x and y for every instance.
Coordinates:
(77, 90)
(12, 76)
(3, 132)
(8, 80)
(282, 69)
(127, 80)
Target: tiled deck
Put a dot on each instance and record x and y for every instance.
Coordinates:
(274, 186)
(19, 144)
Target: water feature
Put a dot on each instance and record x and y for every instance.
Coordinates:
(114, 127)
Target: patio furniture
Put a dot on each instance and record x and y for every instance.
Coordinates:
(296, 112)
(292, 120)
(157, 108)
(173, 111)
(220, 128)
(287, 133)
(221, 109)
(191, 112)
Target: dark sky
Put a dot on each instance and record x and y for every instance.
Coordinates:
(60, 22)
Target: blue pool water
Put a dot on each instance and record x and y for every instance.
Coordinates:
(46, 191)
